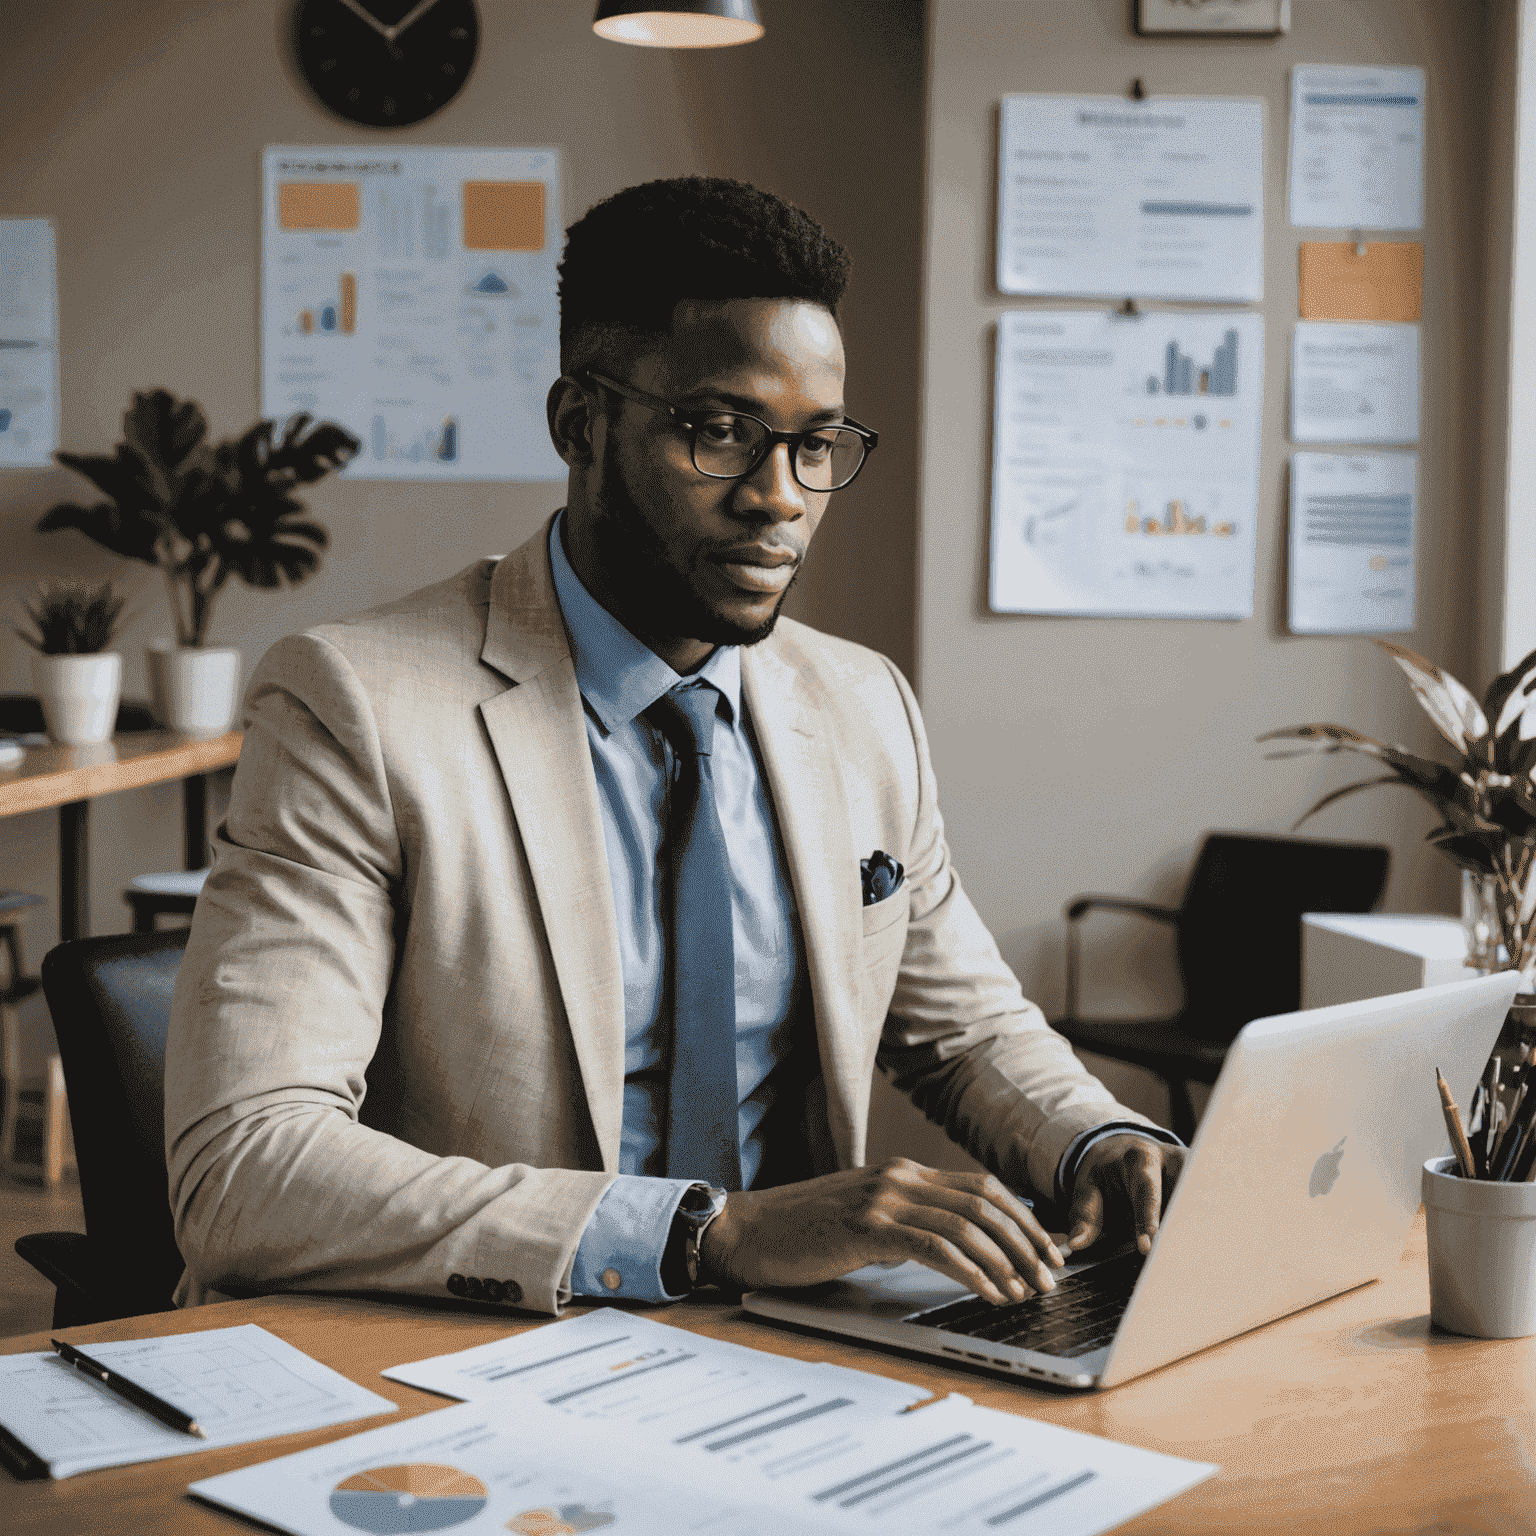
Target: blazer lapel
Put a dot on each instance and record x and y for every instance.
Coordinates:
(806, 784)
(538, 730)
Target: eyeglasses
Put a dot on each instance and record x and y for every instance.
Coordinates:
(728, 445)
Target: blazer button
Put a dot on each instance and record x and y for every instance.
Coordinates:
(458, 1285)
(475, 1288)
(493, 1290)
(612, 1279)
(511, 1292)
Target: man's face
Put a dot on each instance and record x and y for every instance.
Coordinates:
(684, 556)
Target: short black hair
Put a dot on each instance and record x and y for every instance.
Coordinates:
(631, 259)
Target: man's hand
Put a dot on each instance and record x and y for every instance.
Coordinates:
(965, 1225)
(1130, 1177)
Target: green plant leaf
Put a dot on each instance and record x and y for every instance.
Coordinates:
(1348, 789)
(168, 435)
(1456, 714)
(1465, 852)
(1505, 693)
(130, 534)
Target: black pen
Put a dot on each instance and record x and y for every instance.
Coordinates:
(156, 1407)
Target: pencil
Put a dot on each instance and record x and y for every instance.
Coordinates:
(1453, 1125)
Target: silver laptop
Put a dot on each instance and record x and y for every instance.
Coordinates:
(1303, 1181)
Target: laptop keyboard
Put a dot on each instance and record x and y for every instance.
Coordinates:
(1079, 1316)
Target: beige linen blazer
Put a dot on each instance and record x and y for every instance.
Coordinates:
(410, 902)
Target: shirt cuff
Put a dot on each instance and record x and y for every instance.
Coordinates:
(620, 1252)
(1077, 1149)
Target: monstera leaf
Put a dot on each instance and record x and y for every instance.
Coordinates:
(205, 512)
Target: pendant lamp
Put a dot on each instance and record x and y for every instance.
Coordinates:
(678, 23)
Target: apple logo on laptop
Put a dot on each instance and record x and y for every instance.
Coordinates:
(1326, 1169)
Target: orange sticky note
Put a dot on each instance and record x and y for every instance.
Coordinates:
(317, 205)
(504, 215)
(1387, 283)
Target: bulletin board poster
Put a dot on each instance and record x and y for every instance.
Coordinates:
(410, 295)
(1125, 481)
(29, 354)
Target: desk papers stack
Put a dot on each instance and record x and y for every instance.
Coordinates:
(617, 1423)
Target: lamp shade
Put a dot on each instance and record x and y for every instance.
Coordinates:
(678, 24)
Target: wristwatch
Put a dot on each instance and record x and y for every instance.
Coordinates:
(700, 1204)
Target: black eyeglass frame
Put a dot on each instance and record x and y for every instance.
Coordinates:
(687, 419)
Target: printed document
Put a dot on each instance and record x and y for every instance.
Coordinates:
(1352, 543)
(1125, 474)
(409, 294)
(238, 1383)
(1158, 199)
(1357, 147)
(29, 344)
(1355, 383)
(838, 1459)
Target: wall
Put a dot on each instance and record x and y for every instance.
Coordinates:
(1089, 754)
(138, 130)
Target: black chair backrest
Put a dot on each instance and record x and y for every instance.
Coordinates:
(111, 1004)
(1239, 930)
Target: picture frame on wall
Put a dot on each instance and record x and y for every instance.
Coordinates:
(1213, 18)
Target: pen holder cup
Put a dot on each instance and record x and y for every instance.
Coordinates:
(1482, 1253)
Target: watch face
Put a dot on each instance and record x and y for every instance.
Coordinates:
(386, 63)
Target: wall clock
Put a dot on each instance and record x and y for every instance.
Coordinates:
(386, 63)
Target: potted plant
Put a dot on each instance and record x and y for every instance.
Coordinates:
(77, 679)
(1485, 798)
(204, 512)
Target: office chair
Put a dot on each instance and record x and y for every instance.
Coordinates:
(1237, 937)
(111, 1005)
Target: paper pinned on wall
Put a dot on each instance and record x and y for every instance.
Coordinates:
(1125, 477)
(29, 350)
(1386, 283)
(1357, 147)
(1355, 383)
(1352, 564)
(1158, 199)
(409, 294)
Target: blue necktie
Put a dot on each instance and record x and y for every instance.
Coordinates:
(702, 1137)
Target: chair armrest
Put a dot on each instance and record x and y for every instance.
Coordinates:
(90, 1286)
(1081, 904)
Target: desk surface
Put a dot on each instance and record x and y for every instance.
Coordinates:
(49, 776)
(1352, 1416)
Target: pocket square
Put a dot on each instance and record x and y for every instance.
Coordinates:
(881, 875)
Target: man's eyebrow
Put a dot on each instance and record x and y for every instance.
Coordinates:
(746, 405)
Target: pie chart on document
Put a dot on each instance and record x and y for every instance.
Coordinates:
(415, 1496)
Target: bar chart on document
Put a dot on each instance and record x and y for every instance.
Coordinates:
(410, 296)
(1126, 460)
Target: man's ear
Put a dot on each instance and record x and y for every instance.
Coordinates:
(569, 410)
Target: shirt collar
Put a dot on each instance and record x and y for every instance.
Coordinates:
(618, 676)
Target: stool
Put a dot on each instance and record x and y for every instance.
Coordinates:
(47, 1093)
(150, 895)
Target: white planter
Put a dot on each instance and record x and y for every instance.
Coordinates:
(193, 690)
(79, 695)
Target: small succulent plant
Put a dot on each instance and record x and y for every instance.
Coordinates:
(72, 619)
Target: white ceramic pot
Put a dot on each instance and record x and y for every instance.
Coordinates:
(193, 690)
(79, 695)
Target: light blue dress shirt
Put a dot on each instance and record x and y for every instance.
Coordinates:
(619, 679)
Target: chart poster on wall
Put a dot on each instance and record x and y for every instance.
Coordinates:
(409, 294)
(1357, 147)
(29, 352)
(1158, 199)
(1354, 383)
(1352, 543)
(1125, 477)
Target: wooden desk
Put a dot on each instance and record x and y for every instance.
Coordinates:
(1352, 1416)
(71, 777)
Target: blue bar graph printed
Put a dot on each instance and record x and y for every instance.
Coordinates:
(1180, 376)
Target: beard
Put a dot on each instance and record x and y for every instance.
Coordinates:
(646, 592)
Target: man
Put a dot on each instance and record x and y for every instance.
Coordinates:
(608, 889)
